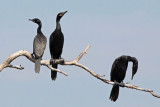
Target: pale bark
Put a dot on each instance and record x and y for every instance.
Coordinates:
(25, 53)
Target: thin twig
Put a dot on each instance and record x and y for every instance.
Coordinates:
(16, 66)
(81, 55)
(50, 67)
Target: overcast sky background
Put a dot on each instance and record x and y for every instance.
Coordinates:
(112, 28)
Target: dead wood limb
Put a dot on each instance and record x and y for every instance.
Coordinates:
(16, 66)
(75, 62)
(7, 62)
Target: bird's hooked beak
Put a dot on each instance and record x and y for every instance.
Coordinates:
(133, 73)
(132, 77)
(31, 20)
(134, 67)
(63, 13)
(134, 70)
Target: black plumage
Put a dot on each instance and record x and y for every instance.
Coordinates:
(56, 44)
(39, 45)
(118, 73)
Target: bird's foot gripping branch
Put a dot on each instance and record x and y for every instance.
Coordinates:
(7, 63)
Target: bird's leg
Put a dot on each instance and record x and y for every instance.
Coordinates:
(62, 59)
(116, 83)
(51, 61)
(119, 84)
(122, 84)
(33, 55)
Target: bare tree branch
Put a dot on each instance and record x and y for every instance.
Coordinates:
(50, 67)
(75, 62)
(7, 62)
(81, 55)
(16, 66)
(25, 53)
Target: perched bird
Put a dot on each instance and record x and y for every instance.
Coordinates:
(39, 45)
(118, 73)
(56, 44)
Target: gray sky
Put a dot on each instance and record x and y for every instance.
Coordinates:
(112, 27)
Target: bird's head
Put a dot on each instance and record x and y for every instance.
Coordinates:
(60, 15)
(36, 20)
(135, 66)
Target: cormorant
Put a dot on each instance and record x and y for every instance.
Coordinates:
(118, 73)
(39, 45)
(56, 44)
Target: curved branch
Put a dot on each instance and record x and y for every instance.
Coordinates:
(75, 62)
(7, 62)
(112, 83)
(25, 53)
(15, 66)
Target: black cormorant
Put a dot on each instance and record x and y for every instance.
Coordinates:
(39, 45)
(56, 44)
(118, 73)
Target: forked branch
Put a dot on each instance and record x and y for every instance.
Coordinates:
(25, 53)
(75, 62)
(7, 62)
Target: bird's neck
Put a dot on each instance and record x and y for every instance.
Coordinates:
(39, 28)
(129, 58)
(58, 26)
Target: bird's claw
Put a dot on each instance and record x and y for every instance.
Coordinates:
(120, 84)
(52, 61)
(33, 56)
(61, 60)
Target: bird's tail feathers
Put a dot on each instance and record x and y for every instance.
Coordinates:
(37, 65)
(54, 73)
(114, 93)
